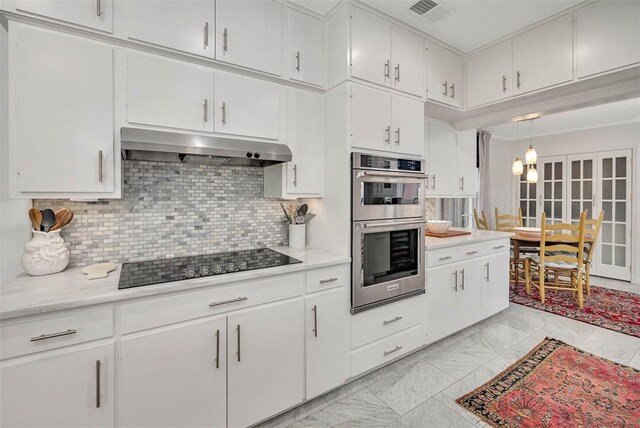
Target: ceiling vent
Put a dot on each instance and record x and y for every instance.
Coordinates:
(423, 6)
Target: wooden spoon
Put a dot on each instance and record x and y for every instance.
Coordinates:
(63, 218)
(36, 218)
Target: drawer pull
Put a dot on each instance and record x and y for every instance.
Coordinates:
(52, 335)
(396, 349)
(224, 302)
(444, 258)
(470, 253)
(324, 281)
(391, 321)
(498, 247)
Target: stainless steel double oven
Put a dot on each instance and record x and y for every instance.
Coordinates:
(388, 214)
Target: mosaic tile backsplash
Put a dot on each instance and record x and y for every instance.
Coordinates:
(173, 210)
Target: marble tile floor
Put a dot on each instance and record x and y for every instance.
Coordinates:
(419, 390)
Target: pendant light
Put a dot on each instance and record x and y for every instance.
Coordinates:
(531, 157)
(532, 174)
(517, 168)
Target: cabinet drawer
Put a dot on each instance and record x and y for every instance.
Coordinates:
(322, 279)
(386, 320)
(185, 306)
(442, 256)
(387, 349)
(49, 332)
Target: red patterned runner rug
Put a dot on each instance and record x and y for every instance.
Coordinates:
(611, 309)
(557, 385)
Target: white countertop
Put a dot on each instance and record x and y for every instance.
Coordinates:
(475, 236)
(27, 295)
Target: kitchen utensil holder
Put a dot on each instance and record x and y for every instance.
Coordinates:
(45, 254)
(297, 235)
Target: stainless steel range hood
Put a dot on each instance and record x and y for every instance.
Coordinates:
(146, 144)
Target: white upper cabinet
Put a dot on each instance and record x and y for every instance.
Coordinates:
(249, 34)
(370, 123)
(246, 106)
(467, 172)
(407, 61)
(96, 14)
(441, 155)
(407, 125)
(445, 76)
(61, 112)
(489, 75)
(607, 36)
(543, 56)
(306, 48)
(174, 24)
(370, 47)
(169, 93)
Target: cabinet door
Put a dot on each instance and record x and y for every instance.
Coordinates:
(489, 75)
(266, 361)
(407, 61)
(61, 110)
(96, 14)
(246, 106)
(441, 301)
(304, 137)
(407, 117)
(175, 376)
(466, 171)
(495, 284)
(169, 93)
(370, 118)
(249, 33)
(607, 36)
(468, 307)
(543, 56)
(370, 47)
(74, 388)
(442, 159)
(327, 341)
(445, 76)
(191, 28)
(306, 48)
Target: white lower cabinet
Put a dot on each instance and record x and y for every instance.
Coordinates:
(266, 361)
(70, 388)
(176, 376)
(495, 296)
(327, 349)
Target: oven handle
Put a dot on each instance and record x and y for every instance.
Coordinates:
(417, 176)
(398, 223)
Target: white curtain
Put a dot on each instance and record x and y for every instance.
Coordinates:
(484, 187)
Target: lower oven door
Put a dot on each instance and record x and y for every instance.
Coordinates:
(388, 262)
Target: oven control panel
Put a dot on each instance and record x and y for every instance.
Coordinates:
(364, 161)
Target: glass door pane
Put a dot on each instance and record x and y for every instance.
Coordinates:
(551, 188)
(581, 192)
(528, 205)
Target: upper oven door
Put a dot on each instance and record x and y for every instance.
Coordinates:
(379, 195)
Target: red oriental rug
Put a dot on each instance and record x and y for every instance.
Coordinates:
(612, 309)
(557, 385)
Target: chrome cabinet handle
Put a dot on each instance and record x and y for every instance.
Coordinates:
(224, 302)
(433, 182)
(98, 367)
(455, 281)
(225, 39)
(295, 174)
(315, 320)
(52, 335)
(461, 183)
(397, 132)
(504, 83)
(206, 34)
(238, 353)
(217, 349)
(462, 272)
(470, 253)
(518, 78)
(298, 61)
(386, 69)
(224, 113)
(444, 258)
(98, 8)
(498, 247)
(487, 277)
(324, 281)
(446, 88)
(453, 91)
(397, 74)
(100, 166)
(396, 349)
(205, 107)
(385, 322)
(387, 133)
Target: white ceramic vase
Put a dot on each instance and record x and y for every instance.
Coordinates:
(45, 254)
(297, 235)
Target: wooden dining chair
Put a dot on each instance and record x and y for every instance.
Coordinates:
(591, 234)
(482, 223)
(560, 262)
(506, 222)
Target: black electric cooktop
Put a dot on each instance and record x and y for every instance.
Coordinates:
(151, 272)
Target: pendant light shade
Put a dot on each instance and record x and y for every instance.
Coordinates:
(532, 174)
(531, 157)
(517, 168)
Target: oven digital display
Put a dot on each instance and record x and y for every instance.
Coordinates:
(375, 162)
(409, 165)
(379, 162)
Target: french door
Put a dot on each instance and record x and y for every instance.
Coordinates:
(568, 185)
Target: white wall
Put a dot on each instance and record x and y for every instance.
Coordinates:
(14, 221)
(626, 136)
